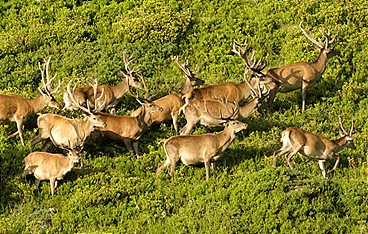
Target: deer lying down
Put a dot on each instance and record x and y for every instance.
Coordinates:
(296, 140)
(47, 166)
(194, 149)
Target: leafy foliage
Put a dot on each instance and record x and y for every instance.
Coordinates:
(117, 192)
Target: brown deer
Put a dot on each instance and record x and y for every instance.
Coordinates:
(48, 166)
(65, 132)
(18, 109)
(112, 94)
(216, 109)
(301, 75)
(173, 102)
(296, 140)
(194, 149)
(128, 129)
(234, 92)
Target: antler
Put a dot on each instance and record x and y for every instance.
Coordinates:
(72, 98)
(314, 41)
(342, 131)
(226, 111)
(184, 68)
(252, 64)
(47, 83)
(98, 103)
(146, 95)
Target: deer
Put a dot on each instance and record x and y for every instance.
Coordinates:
(311, 145)
(217, 111)
(301, 75)
(195, 149)
(18, 109)
(66, 132)
(172, 103)
(112, 94)
(48, 166)
(234, 92)
(218, 108)
(125, 128)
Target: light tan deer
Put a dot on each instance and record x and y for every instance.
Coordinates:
(195, 149)
(296, 140)
(128, 129)
(301, 75)
(112, 94)
(48, 166)
(18, 109)
(65, 132)
(172, 103)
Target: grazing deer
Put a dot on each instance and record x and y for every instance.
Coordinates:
(128, 128)
(194, 149)
(301, 75)
(18, 109)
(296, 140)
(47, 166)
(112, 94)
(173, 102)
(65, 132)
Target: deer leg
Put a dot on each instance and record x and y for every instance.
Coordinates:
(20, 128)
(305, 87)
(135, 147)
(37, 183)
(46, 145)
(188, 127)
(36, 140)
(207, 166)
(335, 166)
(172, 167)
(321, 164)
(52, 185)
(174, 117)
(271, 97)
(291, 154)
(278, 153)
(163, 165)
(128, 144)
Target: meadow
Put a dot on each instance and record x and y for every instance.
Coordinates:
(115, 192)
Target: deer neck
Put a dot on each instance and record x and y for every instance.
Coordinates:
(143, 117)
(320, 63)
(38, 103)
(187, 87)
(120, 89)
(225, 138)
(340, 143)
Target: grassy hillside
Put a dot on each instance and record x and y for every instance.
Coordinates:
(117, 192)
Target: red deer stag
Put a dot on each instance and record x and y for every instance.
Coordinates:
(296, 140)
(173, 102)
(128, 128)
(18, 109)
(215, 109)
(65, 132)
(47, 166)
(301, 75)
(194, 149)
(112, 94)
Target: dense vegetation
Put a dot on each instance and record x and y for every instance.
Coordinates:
(117, 192)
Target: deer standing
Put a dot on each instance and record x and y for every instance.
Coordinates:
(128, 129)
(18, 109)
(301, 75)
(172, 103)
(47, 166)
(296, 140)
(194, 149)
(65, 132)
(112, 94)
